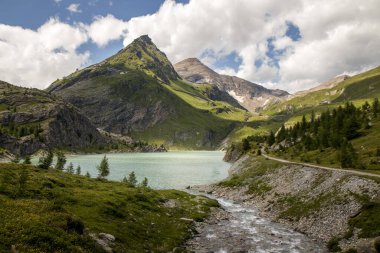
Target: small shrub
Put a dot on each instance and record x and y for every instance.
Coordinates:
(333, 245)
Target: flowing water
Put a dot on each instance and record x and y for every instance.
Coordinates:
(240, 230)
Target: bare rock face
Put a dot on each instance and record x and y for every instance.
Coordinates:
(31, 120)
(249, 95)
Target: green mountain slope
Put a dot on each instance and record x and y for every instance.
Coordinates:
(51, 211)
(356, 89)
(31, 119)
(137, 92)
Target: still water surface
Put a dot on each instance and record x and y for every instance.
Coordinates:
(171, 170)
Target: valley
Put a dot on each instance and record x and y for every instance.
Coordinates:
(304, 173)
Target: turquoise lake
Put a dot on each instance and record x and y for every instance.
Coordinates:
(170, 170)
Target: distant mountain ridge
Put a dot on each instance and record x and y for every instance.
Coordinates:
(323, 86)
(252, 96)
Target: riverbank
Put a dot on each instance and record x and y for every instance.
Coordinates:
(334, 207)
(52, 211)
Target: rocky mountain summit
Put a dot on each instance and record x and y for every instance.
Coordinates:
(251, 96)
(134, 93)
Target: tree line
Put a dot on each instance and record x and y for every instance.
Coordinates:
(332, 129)
(46, 162)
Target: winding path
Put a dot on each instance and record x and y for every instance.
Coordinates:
(360, 173)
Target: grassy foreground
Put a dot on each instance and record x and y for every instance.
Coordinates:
(52, 211)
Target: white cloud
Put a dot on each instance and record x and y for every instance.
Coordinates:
(337, 36)
(57, 1)
(105, 29)
(74, 8)
(37, 58)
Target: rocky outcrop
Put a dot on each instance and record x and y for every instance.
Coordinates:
(314, 201)
(31, 120)
(249, 95)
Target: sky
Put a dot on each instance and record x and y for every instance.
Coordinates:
(291, 45)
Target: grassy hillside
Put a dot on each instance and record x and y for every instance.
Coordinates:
(52, 211)
(360, 87)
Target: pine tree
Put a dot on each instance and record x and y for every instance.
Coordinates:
(27, 160)
(103, 168)
(271, 139)
(61, 161)
(132, 178)
(144, 183)
(45, 161)
(246, 145)
(375, 107)
(312, 117)
(78, 171)
(70, 168)
(88, 174)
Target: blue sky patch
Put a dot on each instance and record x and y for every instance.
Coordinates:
(293, 31)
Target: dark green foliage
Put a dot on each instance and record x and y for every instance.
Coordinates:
(132, 179)
(27, 160)
(144, 183)
(103, 168)
(333, 129)
(246, 145)
(45, 161)
(347, 156)
(378, 151)
(70, 168)
(377, 245)
(88, 174)
(333, 245)
(61, 161)
(271, 139)
(368, 221)
(375, 107)
(78, 170)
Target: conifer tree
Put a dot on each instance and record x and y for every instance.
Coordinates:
(78, 170)
(70, 168)
(103, 168)
(27, 160)
(271, 139)
(144, 183)
(45, 161)
(61, 161)
(132, 178)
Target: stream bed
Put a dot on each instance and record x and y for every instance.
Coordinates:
(239, 229)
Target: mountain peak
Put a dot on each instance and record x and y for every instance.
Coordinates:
(249, 95)
(144, 39)
(142, 54)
